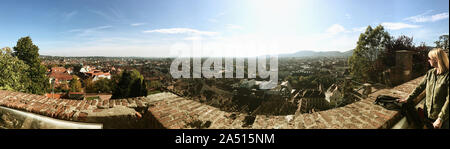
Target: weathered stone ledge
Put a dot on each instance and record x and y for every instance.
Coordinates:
(167, 110)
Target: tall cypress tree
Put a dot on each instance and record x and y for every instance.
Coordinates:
(122, 88)
(75, 84)
(26, 51)
(130, 84)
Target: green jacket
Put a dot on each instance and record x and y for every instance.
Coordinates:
(436, 100)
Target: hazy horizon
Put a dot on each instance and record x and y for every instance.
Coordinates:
(194, 56)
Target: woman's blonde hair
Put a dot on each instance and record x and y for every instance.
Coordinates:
(442, 59)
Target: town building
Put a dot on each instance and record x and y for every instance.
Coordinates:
(334, 96)
(58, 76)
(312, 101)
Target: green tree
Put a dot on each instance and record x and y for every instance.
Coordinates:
(420, 59)
(89, 86)
(369, 47)
(400, 43)
(76, 68)
(103, 85)
(138, 88)
(26, 51)
(325, 80)
(306, 82)
(75, 84)
(130, 84)
(156, 84)
(13, 72)
(442, 42)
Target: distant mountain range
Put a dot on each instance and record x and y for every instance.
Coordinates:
(318, 54)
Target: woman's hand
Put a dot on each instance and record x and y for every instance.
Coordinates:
(402, 100)
(437, 124)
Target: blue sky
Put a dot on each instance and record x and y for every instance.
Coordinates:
(152, 28)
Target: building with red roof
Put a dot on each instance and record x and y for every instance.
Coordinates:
(59, 75)
(97, 74)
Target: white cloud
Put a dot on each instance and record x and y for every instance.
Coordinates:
(234, 27)
(398, 25)
(137, 24)
(181, 31)
(112, 15)
(103, 27)
(68, 15)
(438, 17)
(193, 38)
(335, 28)
(428, 18)
(216, 17)
(89, 31)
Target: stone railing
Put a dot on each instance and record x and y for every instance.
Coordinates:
(167, 110)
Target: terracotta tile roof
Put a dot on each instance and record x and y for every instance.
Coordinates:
(58, 69)
(60, 76)
(55, 96)
(97, 73)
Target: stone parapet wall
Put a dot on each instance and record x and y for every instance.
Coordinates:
(167, 110)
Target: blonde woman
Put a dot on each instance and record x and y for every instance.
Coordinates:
(435, 83)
